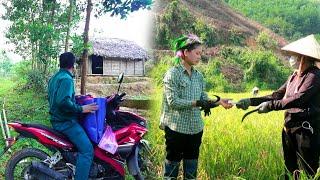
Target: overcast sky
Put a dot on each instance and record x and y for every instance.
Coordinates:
(137, 28)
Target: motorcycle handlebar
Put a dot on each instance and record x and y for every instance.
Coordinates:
(122, 94)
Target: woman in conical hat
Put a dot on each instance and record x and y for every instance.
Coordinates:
(300, 97)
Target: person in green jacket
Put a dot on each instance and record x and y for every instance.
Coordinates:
(64, 113)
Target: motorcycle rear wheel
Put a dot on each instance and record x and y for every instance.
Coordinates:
(23, 157)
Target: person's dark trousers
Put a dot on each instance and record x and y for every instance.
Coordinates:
(308, 147)
(181, 146)
(79, 138)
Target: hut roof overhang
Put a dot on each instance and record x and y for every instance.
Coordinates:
(118, 48)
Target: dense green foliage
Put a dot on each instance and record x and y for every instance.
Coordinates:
(292, 19)
(261, 67)
(124, 8)
(39, 30)
(177, 20)
(265, 42)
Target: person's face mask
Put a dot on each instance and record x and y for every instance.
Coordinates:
(293, 61)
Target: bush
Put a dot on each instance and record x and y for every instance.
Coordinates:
(265, 42)
(265, 69)
(215, 79)
(36, 80)
(28, 78)
(236, 37)
(177, 20)
(206, 33)
(260, 68)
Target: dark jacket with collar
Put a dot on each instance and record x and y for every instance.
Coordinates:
(61, 96)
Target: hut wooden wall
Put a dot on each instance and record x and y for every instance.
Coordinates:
(113, 67)
(139, 68)
(129, 67)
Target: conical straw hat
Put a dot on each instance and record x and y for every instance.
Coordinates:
(305, 46)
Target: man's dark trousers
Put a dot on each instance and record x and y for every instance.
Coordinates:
(79, 138)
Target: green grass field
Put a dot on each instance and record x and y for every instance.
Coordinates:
(22, 105)
(230, 149)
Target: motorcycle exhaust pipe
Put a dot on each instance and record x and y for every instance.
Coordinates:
(39, 170)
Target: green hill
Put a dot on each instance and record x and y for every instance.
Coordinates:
(291, 19)
(240, 53)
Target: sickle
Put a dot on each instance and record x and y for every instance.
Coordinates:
(248, 113)
(218, 99)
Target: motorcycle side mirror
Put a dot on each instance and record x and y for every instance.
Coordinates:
(120, 79)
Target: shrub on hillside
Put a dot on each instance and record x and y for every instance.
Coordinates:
(235, 37)
(261, 68)
(177, 20)
(264, 69)
(206, 33)
(215, 79)
(265, 42)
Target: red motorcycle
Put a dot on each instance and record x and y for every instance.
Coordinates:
(33, 163)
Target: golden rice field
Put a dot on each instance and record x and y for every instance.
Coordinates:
(230, 149)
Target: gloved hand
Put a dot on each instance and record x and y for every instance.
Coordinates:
(207, 112)
(264, 107)
(212, 104)
(243, 103)
(203, 104)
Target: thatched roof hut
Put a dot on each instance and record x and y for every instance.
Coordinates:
(113, 56)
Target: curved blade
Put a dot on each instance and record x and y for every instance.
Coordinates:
(218, 99)
(248, 113)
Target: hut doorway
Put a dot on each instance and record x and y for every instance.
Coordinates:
(97, 64)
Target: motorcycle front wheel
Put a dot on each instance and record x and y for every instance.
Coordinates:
(145, 164)
(19, 164)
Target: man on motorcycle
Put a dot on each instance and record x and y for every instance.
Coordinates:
(64, 113)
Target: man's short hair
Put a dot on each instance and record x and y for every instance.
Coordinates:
(67, 60)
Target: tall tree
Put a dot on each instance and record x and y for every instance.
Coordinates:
(116, 7)
(38, 29)
(70, 13)
(5, 64)
(85, 50)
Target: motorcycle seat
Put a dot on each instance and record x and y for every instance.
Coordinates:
(43, 127)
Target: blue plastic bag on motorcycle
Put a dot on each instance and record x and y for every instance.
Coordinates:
(93, 123)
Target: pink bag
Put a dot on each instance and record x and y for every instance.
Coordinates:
(108, 141)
